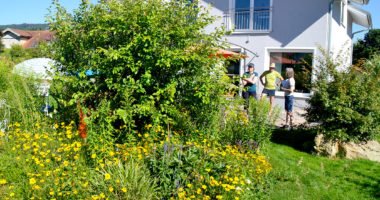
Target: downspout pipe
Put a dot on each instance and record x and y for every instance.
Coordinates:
(331, 7)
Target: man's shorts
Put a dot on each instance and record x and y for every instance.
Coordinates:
(248, 94)
(289, 103)
(269, 93)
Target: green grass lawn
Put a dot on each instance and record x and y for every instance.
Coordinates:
(300, 175)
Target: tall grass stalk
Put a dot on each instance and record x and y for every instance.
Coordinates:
(21, 98)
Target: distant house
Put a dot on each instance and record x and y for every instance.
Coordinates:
(25, 38)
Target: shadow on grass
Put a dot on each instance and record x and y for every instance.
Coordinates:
(368, 180)
(301, 139)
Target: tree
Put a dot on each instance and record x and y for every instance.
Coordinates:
(369, 46)
(133, 63)
(1, 42)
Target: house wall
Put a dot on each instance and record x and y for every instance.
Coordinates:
(10, 39)
(296, 25)
(341, 29)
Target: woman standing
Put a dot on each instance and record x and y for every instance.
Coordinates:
(288, 86)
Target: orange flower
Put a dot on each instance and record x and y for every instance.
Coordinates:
(82, 129)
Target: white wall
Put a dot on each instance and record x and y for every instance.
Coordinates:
(296, 25)
(10, 39)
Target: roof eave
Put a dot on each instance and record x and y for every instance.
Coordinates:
(360, 16)
(10, 30)
(362, 2)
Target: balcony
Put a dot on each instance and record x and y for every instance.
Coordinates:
(255, 20)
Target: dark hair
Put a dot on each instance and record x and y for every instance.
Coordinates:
(251, 65)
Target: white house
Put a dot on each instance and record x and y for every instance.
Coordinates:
(288, 32)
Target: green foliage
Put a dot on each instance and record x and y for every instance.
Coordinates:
(150, 62)
(21, 98)
(206, 170)
(1, 43)
(251, 127)
(346, 102)
(369, 46)
(130, 180)
(18, 54)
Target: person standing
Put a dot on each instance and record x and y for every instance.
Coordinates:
(249, 81)
(288, 86)
(270, 83)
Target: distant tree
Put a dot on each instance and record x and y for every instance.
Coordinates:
(1, 43)
(30, 27)
(369, 46)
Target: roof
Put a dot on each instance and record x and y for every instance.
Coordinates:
(360, 16)
(33, 37)
(363, 2)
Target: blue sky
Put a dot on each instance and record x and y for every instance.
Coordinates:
(34, 11)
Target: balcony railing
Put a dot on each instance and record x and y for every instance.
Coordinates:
(255, 20)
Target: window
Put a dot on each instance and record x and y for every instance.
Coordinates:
(301, 63)
(252, 15)
(233, 71)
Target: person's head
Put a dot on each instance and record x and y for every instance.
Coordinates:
(289, 73)
(272, 67)
(251, 67)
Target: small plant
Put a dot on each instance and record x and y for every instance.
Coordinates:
(252, 127)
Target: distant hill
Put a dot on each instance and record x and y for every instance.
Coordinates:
(31, 27)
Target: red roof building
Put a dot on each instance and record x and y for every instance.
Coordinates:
(25, 38)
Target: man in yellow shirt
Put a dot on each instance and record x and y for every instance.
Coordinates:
(270, 82)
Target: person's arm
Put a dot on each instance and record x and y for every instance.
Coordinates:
(252, 79)
(281, 79)
(261, 78)
(292, 85)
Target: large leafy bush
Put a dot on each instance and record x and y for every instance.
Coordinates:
(346, 102)
(135, 62)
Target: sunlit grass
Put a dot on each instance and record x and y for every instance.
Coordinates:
(300, 175)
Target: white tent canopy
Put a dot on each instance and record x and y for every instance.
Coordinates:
(41, 68)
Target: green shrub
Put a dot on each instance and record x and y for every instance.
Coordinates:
(150, 62)
(206, 170)
(346, 102)
(251, 127)
(20, 98)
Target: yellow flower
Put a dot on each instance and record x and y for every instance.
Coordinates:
(3, 181)
(189, 185)
(12, 194)
(93, 156)
(208, 170)
(204, 187)
(32, 181)
(124, 189)
(107, 176)
(110, 189)
(199, 191)
(219, 197)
